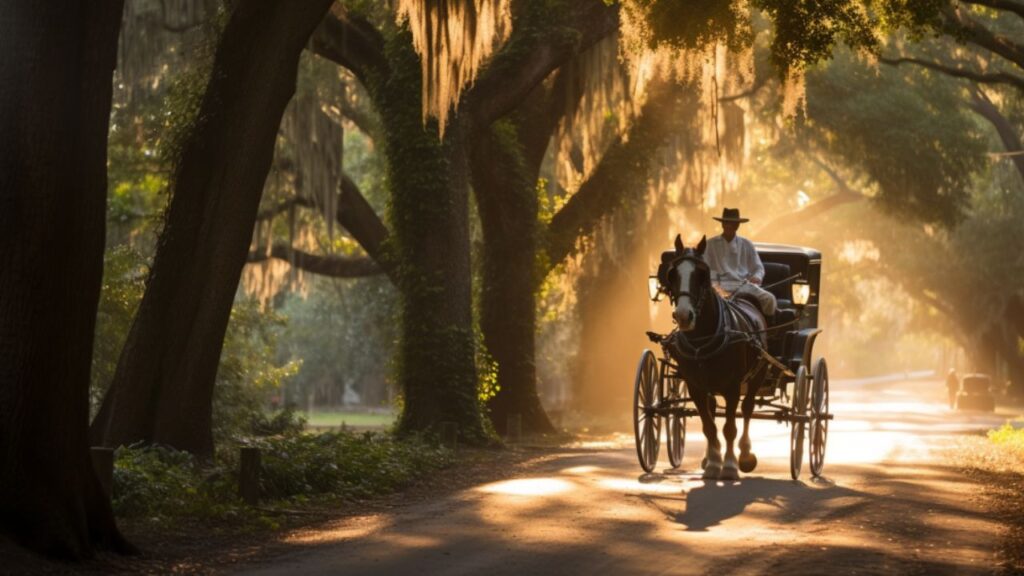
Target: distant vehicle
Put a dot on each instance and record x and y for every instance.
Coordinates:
(976, 393)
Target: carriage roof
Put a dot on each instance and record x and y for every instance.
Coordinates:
(801, 260)
(810, 255)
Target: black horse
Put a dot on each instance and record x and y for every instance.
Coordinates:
(717, 348)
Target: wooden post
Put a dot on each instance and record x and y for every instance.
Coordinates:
(249, 475)
(103, 465)
(449, 434)
(514, 429)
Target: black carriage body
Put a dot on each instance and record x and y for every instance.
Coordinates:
(794, 387)
(782, 262)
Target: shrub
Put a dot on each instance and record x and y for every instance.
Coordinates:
(344, 463)
(159, 482)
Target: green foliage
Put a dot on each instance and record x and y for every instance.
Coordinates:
(344, 332)
(124, 276)
(344, 464)
(905, 129)
(247, 374)
(287, 421)
(155, 481)
(694, 24)
(158, 482)
(1009, 437)
(806, 32)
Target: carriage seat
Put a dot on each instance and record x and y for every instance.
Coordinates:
(775, 272)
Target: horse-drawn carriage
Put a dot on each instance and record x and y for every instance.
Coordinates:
(720, 348)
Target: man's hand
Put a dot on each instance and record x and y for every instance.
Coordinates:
(754, 280)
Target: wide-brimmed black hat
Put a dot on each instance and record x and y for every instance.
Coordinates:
(731, 215)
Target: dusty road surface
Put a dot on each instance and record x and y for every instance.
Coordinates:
(890, 503)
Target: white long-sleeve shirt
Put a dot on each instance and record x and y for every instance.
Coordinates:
(733, 262)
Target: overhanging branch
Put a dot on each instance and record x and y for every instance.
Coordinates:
(980, 77)
(525, 61)
(350, 41)
(1007, 5)
(981, 36)
(333, 266)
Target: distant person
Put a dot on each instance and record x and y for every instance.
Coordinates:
(735, 266)
(952, 387)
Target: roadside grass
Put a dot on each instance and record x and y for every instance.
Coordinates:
(335, 418)
(1009, 437)
(996, 460)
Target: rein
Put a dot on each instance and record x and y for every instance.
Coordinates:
(716, 343)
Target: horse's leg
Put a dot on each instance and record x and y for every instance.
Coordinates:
(730, 468)
(748, 461)
(713, 456)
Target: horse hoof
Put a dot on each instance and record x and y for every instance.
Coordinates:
(748, 462)
(729, 473)
(712, 471)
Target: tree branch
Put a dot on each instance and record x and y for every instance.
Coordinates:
(844, 195)
(981, 36)
(350, 41)
(1007, 5)
(759, 83)
(358, 217)
(1007, 132)
(354, 214)
(364, 119)
(623, 170)
(984, 78)
(527, 59)
(334, 266)
(284, 206)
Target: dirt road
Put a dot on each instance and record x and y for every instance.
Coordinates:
(890, 503)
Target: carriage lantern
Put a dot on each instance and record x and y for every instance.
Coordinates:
(654, 288)
(801, 293)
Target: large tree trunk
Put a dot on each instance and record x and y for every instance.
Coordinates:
(163, 389)
(507, 201)
(55, 91)
(430, 235)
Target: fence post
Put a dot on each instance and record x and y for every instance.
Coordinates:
(103, 465)
(514, 428)
(249, 475)
(449, 434)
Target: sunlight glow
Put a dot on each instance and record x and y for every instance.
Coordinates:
(528, 487)
(581, 470)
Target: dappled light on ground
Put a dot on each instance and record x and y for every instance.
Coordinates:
(888, 503)
(528, 487)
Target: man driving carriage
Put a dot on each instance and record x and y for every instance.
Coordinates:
(735, 266)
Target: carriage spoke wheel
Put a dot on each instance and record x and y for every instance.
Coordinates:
(646, 422)
(819, 412)
(675, 424)
(799, 427)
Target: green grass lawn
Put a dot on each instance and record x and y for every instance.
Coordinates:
(335, 418)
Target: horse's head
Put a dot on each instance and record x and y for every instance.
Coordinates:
(687, 279)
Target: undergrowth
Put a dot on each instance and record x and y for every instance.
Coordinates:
(161, 484)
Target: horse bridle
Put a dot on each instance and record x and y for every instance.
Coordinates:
(674, 297)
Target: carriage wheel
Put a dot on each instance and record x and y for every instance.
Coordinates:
(819, 422)
(799, 429)
(675, 425)
(646, 422)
